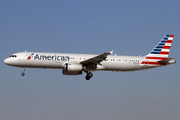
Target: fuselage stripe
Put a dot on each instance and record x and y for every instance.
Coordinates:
(152, 63)
(158, 58)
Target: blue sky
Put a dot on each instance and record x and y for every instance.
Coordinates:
(96, 26)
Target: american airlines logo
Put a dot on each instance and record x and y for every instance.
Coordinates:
(29, 57)
(53, 57)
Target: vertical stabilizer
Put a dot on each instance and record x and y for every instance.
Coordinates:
(160, 51)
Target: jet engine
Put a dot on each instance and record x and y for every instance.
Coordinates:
(72, 69)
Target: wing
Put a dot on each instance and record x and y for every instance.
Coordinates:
(97, 59)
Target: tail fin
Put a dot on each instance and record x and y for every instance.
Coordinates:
(160, 52)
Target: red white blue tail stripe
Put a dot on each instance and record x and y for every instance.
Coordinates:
(160, 52)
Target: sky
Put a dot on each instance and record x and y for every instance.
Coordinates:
(89, 26)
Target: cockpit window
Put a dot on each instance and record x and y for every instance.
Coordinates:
(13, 56)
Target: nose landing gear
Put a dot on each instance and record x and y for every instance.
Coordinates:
(23, 73)
(89, 75)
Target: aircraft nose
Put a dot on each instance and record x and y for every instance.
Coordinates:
(6, 61)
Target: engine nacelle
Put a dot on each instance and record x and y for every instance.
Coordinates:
(72, 69)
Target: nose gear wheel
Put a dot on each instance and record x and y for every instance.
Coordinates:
(23, 73)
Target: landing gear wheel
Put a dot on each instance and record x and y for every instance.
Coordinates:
(22, 74)
(88, 76)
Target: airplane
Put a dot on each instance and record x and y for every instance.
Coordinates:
(75, 64)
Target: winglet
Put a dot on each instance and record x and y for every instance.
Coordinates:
(111, 51)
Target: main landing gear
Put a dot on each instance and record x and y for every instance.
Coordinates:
(23, 73)
(89, 75)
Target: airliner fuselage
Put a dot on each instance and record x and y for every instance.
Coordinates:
(75, 64)
(58, 60)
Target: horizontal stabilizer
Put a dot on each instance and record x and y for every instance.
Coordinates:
(168, 60)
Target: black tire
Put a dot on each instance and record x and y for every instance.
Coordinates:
(22, 74)
(87, 77)
(90, 74)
